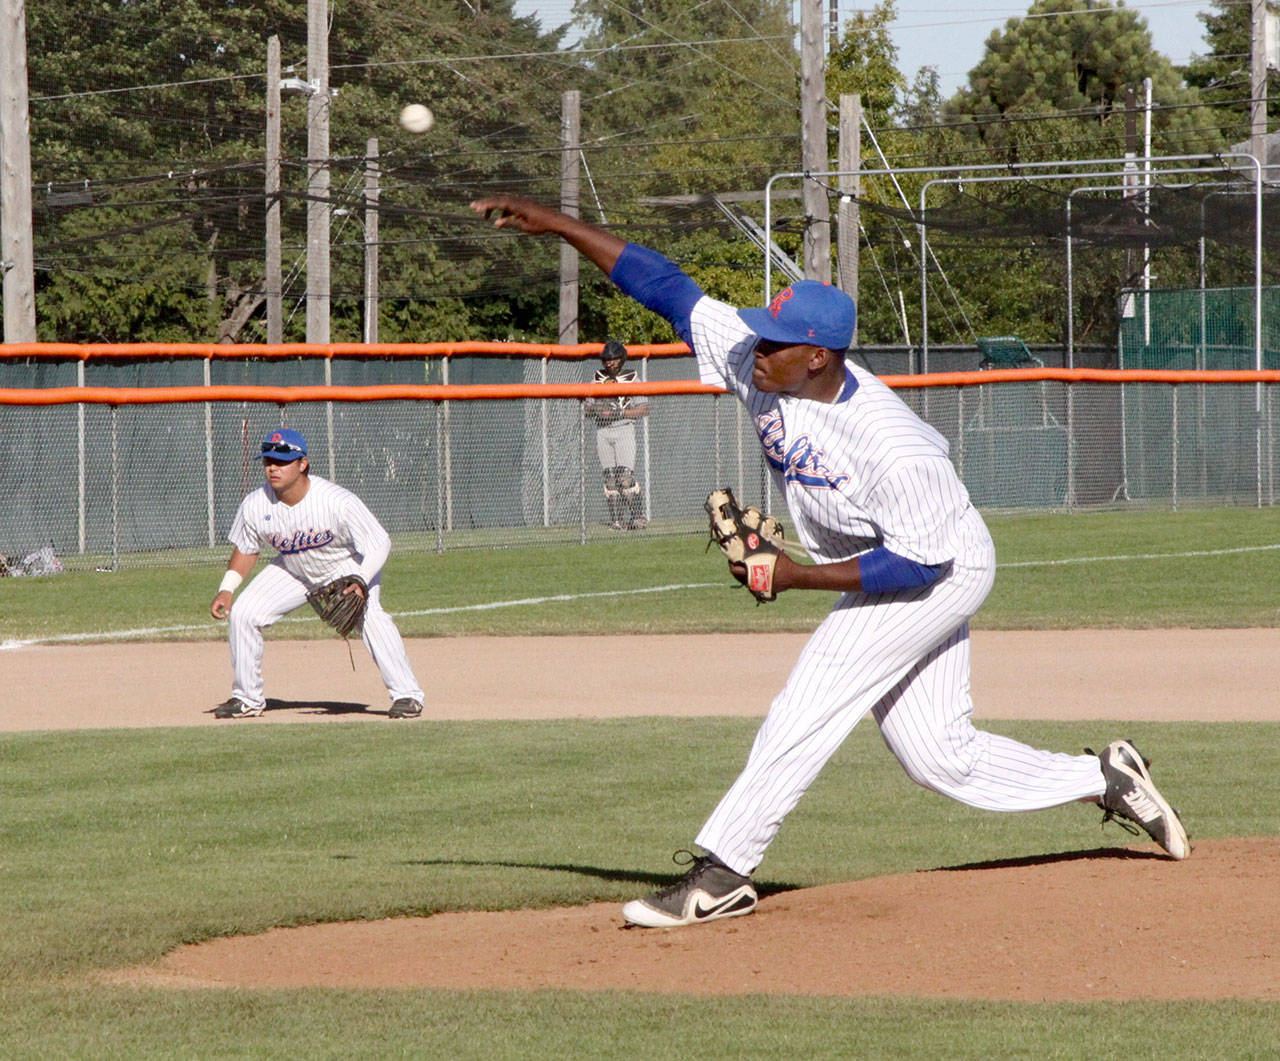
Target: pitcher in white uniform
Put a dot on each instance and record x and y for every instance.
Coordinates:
(318, 531)
(878, 506)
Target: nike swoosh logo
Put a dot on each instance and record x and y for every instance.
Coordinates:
(701, 912)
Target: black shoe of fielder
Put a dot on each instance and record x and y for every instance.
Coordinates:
(235, 708)
(405, 708)
(1132, 796)
(708, 891)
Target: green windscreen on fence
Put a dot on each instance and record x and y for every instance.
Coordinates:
(1197, 328)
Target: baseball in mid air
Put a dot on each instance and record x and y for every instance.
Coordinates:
(417, 118)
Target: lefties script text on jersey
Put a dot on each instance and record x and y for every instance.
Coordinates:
(300, 541)
(801, 462)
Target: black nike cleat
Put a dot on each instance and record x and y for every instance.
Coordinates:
(709, 891)
(1132, 796)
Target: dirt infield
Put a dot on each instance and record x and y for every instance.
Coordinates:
(1040, 929)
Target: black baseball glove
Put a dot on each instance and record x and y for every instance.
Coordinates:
(341, 606)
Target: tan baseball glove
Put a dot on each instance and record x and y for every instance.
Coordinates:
(342, 610)
(747, 537)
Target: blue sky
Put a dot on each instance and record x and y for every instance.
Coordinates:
(949, 34)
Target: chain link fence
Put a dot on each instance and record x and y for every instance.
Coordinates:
(111, 485)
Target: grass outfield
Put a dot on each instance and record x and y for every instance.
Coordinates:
(1203, 568)
(115, 846)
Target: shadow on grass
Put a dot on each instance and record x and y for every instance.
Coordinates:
(1119, 854)
(624, 876)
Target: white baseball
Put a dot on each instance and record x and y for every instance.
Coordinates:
(417, 118)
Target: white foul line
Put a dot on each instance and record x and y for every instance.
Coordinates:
(121, 635)
(1141, 556)
(124, 635)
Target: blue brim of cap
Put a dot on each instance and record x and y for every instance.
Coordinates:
(283, 458)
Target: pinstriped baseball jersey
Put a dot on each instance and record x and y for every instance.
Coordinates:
(329, 533)
(857, 473)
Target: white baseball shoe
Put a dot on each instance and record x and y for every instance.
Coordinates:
(709, 891)
(1132, 796)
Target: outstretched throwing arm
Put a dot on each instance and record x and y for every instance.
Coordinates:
(510, 211)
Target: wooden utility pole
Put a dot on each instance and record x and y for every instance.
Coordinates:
(813, 142)
(570, 146)
(17, 260)
(318, 171)
(273, 283)
(372, 191)
(847, 219)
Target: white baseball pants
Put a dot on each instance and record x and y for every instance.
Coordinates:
(616, 445)
(270, 595)
(906, 660)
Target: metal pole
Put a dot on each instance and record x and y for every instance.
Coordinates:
(372, 191)
(273, 285)
(208, 459)
(115, 494)
(1070, 295)
(1146, 215)
(582, 477)
(644, 434)
(546, 454)
(448, 451)
(440, 478)
(328, 419)
(1257, 314)
(82, 471)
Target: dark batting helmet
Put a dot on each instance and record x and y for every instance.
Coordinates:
(613, 351)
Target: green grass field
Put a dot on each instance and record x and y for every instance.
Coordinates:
(1203, 568)
(116, 846)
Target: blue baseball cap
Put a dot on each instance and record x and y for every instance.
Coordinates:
(283, 444)
(808, 312)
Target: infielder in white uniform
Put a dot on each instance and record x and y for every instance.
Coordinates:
(879, 508)
(319, 531)
(615, 420)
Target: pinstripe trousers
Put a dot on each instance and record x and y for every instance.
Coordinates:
(272, 594)
(904, 658)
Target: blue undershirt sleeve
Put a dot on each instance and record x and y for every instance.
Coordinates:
(657, 283)
(886, 572)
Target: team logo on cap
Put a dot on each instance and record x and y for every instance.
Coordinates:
(775, 307)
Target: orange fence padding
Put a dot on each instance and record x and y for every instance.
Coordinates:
(241, 351)
(1084, 375)
(376, 393)
(509, 391)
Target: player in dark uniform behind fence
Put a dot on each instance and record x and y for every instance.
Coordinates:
(615, 420)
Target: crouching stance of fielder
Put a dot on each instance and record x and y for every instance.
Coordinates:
(320, 532)
(877, 505)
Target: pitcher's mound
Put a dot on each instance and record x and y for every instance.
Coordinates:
(1104, 924)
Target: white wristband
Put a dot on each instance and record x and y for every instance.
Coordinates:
(230, 581)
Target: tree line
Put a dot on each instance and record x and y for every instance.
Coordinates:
(147, 127)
